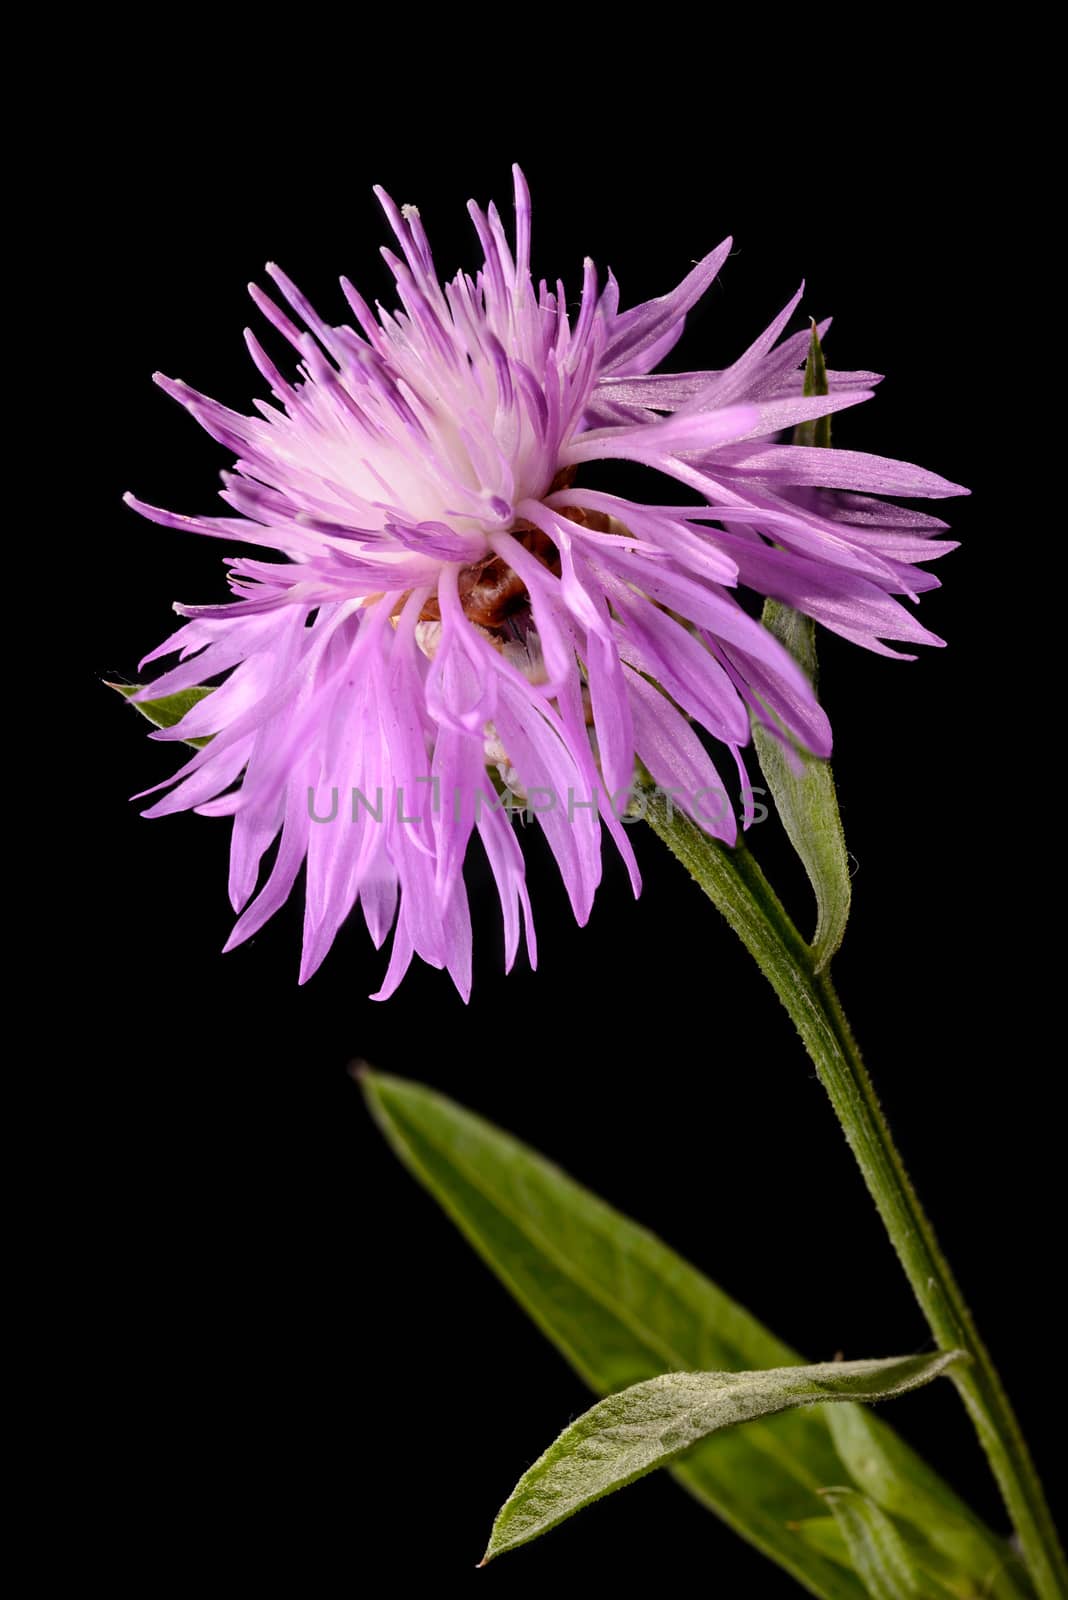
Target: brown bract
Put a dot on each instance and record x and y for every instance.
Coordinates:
(490, 590)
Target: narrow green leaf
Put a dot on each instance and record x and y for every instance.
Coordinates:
(938, 1576)
(622, 1307)
(802, 786)
(650, 1424)
(169, 710)
(877, 1551)
(817, 432)
(824, 1534)
(904, 1486)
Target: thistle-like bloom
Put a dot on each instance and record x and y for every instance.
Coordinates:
(455, 613)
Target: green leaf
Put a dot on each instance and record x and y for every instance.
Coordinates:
(824, 1534)
(877, 1551)
(169, 710)
(936, 1576)
(817, 432)
(621, 1307)
(801, 785)
(903, 1485)
(630, 1434)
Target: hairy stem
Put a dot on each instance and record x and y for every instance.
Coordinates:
(734, 882)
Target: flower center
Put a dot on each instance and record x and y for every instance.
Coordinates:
(490, 591)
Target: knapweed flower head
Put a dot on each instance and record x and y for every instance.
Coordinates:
(455, 617)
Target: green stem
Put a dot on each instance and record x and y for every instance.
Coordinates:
(734, 882)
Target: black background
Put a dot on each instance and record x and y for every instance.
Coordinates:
(284, 1363)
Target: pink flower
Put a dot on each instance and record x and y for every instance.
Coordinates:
(454, 615)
